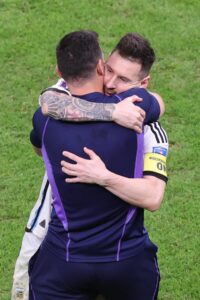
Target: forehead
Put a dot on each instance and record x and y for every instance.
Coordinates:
(122, 66)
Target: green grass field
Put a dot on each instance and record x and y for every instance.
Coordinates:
(29, 31)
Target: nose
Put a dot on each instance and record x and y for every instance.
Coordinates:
(111, 82)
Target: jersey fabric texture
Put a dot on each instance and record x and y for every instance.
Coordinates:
(88, 223)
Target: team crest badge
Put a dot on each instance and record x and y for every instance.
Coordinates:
(160, 150)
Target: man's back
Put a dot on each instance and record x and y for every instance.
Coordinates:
(90, 224)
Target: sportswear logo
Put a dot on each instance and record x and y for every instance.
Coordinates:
(43, 223)
(160, 150)
(158, 132)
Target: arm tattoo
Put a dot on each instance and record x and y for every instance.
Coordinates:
(68, 108)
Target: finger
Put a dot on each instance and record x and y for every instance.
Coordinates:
(139, 110)
(138, 129)
(142, 112)
(72, 156)
(135, 99)
(138, 118)
(90, 153)
(45, 108)
(138, 124)
(69, 172)
(68, 165)
(141, 119)
(72, 180)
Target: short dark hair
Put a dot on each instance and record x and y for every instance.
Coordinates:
(136, 48)
(78, 54)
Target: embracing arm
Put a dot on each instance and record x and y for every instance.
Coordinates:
(144, 192)
(149, 190)
(68, 108)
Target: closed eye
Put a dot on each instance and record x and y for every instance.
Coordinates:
(124, 79)
(109, 69)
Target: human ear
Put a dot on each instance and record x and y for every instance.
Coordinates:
(100, 67)
(145, 82)
(58, 72)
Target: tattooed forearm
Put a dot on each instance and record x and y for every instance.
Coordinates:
(68, 108)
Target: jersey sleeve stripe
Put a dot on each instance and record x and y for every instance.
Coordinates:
(157, 128)
(154, 132)
(164, 133)
(158, 132)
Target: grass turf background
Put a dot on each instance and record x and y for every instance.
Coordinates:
(29, 31)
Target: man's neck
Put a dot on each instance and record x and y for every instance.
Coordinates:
(83, 88)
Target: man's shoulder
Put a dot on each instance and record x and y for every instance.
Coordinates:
(155, 139)
(98, 97)
(38, 113)
(39, 118)
(140, 92)
(149, 103)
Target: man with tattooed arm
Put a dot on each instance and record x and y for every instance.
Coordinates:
(109, 111)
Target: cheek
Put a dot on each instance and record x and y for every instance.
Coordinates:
(121, 87)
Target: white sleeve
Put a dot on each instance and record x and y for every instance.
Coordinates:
(60, 86)
(155, 139)
(156, 148)
(40, 215)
